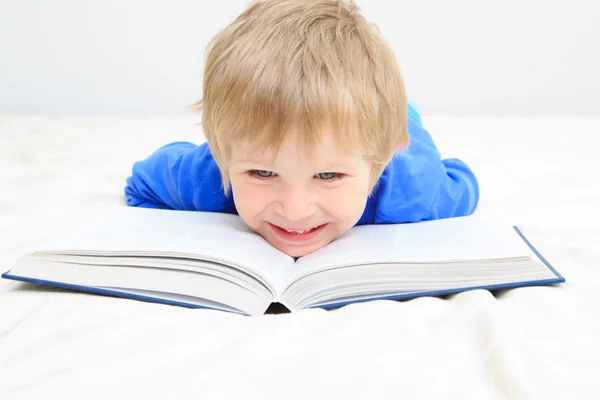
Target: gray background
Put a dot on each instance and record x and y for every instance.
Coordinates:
(459, 57)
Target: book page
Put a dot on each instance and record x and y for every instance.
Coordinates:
(444, 240)
(217, 237)
(200, 286)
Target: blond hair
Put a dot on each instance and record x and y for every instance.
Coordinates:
(305, 62)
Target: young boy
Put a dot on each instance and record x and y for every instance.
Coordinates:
(308, 133)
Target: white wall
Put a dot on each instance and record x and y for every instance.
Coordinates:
(460, 57)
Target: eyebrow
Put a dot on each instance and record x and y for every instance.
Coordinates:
(250, 161)
(335, 165)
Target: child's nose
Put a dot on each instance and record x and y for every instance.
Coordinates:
(296, 205)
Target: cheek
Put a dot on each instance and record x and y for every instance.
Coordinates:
(348, 203)
(250, 200)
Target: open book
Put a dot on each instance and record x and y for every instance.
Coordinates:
(199, 259)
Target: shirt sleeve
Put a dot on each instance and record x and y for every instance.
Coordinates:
(418, 185)
(179, 176)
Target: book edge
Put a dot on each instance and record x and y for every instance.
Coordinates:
(445, 292)
(539, 255)
(109, 292)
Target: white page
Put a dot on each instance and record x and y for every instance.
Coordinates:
(210, 236)
(149, 279)
(451, 239)
(175, 264)
(176, 297)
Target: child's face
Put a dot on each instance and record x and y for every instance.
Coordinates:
(323, 198)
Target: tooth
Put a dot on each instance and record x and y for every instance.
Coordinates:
(299, 232)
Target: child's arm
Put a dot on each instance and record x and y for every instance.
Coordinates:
(179, 176)
(418, 185)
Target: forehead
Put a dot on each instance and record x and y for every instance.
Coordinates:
(325, 153)
(326, 150)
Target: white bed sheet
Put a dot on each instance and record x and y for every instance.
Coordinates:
(540, 173)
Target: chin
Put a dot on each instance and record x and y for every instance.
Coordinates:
(298, 251)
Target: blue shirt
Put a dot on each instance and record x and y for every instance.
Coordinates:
(417, 185)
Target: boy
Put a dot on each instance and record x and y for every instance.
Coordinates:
(307, 129)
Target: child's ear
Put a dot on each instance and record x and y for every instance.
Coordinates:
(402, 144)
(399, 146)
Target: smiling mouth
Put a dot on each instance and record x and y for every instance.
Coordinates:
(300, 232)
(297, 235)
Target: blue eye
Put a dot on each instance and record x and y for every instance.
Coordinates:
(328, 176)
(264, 174)
(261, 173)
